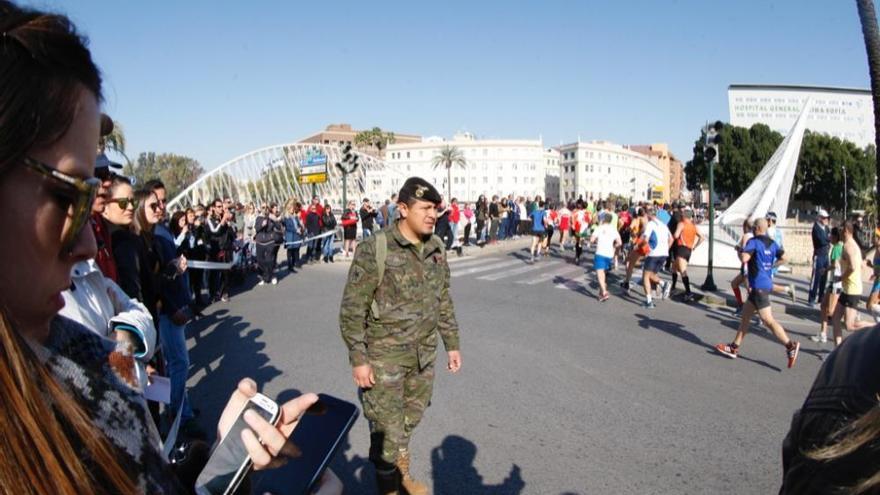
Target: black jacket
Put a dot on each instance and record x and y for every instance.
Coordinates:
(821, 242)
(846, 388)
(137, 264)
(268, 231)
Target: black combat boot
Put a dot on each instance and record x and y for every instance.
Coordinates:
(388, 482)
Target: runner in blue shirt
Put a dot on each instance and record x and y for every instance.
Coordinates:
(538, 216)
(760, 254)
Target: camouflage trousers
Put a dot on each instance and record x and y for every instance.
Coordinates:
(394, 406)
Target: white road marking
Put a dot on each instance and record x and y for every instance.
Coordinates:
(516, 271)
(478, 269)
(549, 276)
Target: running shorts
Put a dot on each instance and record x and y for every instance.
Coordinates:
(602, 263)
(654, 263)
(876, 286)
(683, 252)
(849, 300)
(539, 233)
(760, 298)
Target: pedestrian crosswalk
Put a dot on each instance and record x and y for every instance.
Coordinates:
(517, 270)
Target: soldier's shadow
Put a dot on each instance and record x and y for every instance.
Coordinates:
(454, 473)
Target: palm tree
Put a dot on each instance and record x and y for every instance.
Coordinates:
(114, 141)
(449, 157)
(868, 18)
(375, 137)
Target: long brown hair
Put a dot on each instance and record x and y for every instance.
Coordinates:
(43, 458)
(44, 67)
(861, 433)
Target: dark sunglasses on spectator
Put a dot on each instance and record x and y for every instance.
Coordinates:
(76, 193)
(154, 206)
(124, 203)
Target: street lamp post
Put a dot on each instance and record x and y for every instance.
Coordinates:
(845, 193)
(710, 154)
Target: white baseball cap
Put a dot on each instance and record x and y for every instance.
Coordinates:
(822, 213)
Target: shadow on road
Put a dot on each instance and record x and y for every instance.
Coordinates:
(454, 473)
(678, 330)
(227, 349)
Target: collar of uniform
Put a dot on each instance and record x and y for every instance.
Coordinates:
(430, 245)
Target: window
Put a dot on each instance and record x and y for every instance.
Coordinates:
(407, 154)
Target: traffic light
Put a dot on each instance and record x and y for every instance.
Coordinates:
(713, 139)
(354, 163)
(346, 153)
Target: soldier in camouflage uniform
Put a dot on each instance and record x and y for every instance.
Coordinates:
(390, 329)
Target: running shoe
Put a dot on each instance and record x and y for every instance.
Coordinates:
(649, 305)
(274, 281)
(667, 288)
(792, 350)
(738, 311)
(793, 290)
(728, 350)
(819, 337)
(262, 282)
(624, 285)
(604, 298)
(688, 297)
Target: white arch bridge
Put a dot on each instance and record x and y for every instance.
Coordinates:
(272, 175)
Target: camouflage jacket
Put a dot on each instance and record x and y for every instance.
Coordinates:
(413, 303)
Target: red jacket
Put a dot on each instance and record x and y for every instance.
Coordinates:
(349, 218)
(104, 258)
(454, 214)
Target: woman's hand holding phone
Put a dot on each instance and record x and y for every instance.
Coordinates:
(274, 447)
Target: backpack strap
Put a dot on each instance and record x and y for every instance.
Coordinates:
(381, 255)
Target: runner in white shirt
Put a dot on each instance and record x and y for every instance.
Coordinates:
(659, 240)
(607, 240)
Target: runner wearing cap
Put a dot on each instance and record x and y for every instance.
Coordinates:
(760, 254)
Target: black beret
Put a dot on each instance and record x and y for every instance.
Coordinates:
(416, 188)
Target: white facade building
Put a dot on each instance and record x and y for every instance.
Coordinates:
(599, 168)
(551, 177)
(840, 112)
(494, 166)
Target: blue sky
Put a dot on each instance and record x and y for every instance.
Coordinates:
(213, 80)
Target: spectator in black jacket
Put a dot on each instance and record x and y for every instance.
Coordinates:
(269, 236)
(368, 216)
(135, 258)
(220, 236)
(328, 220)
(313, 229)
(821, 246)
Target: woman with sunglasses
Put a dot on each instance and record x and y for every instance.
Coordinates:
(70, 425)
(135, 259)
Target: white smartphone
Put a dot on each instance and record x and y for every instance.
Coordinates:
(230, 462)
